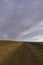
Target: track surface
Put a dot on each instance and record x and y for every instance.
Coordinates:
(22, 56)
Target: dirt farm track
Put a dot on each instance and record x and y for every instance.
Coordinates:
(26, 54)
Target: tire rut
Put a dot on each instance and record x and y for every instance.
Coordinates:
(32, 62)
(24, 54)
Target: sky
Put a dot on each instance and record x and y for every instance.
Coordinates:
(21, 20)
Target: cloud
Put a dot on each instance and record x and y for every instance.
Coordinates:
(32, 33)
(38, 38)
(21, 19)
(3, 36)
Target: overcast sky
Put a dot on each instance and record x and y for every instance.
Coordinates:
(21, 20)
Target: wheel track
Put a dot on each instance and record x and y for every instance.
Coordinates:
(24, 53)
(32, 62)
(14, 57)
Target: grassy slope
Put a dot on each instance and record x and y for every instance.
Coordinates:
(37, 53)
(6, 51)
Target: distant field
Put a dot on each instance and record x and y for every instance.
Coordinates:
(21, 53)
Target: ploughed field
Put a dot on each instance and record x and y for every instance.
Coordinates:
(21, 53)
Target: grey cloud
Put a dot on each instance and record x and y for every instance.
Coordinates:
(21, 19)
(36, 30)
